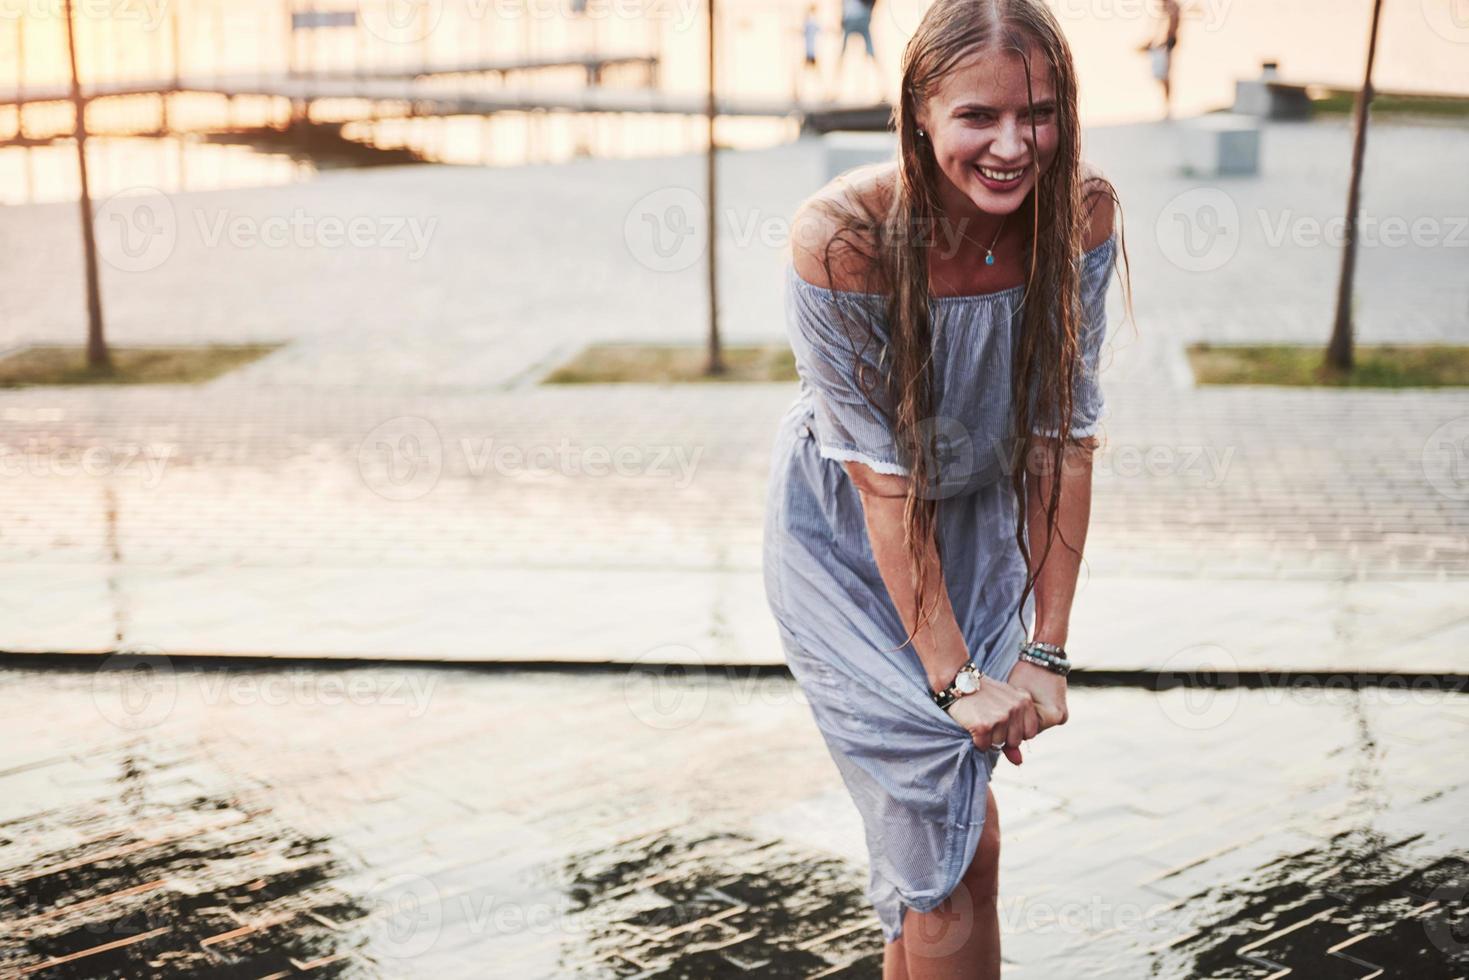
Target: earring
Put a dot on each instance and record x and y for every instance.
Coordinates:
(922, 134)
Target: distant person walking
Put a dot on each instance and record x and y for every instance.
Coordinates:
(857, 22)
(811, 38)
(1160, 50)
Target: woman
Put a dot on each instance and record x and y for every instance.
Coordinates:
(938, 305)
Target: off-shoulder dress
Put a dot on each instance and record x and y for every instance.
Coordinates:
(914, 774)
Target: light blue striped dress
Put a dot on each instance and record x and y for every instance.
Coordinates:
(912, 771)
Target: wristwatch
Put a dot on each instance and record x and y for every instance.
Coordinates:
(967, 681)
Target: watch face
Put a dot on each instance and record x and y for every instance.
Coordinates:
(966, 682)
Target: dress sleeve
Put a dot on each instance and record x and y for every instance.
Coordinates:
(829, 336)
(1087, 401)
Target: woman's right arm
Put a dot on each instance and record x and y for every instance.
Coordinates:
(939, 643)
(997, 712)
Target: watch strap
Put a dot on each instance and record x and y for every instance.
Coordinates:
(953, 692)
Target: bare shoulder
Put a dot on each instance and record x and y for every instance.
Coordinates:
(826, 250)
(1097, 196)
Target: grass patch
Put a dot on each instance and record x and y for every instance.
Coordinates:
(56, 365)
(1387, 366)
(673, 364)
(1343, 101)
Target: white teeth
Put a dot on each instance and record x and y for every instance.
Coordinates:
(1000, 175)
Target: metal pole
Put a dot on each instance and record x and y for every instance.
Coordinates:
(173, 41)
(173, 20)
(711, 186)
(97, 356)
(1339, 351)
(20, 78)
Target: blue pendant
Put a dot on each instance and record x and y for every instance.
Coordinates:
(989, 260)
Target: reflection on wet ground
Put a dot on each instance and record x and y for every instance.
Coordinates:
(424, 822)
(719, 904)
(1384, 896)
(155, 875)
(1359, 908)
(324, 145)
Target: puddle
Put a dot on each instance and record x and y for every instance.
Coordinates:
(681, 903)
(1360, 907)
(159, 877)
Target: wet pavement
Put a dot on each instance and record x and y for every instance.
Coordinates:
(393, 484)
(159, 818)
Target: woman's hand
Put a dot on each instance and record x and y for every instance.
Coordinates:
(1047, 691)
(998, 713)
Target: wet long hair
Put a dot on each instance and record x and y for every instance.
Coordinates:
(890, 243)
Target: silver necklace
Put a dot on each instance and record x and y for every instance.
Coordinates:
(989, 253)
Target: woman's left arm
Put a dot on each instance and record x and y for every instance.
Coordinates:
(1055, 584)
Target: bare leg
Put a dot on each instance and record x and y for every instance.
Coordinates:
(895, 960)
(960, 940)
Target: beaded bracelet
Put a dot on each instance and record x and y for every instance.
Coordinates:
(1046, 655)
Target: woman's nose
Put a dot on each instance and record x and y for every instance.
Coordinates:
(1009, 142)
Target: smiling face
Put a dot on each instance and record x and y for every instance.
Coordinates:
(978, 123)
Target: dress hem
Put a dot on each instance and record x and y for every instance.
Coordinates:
(1002, 664)
(853, 456)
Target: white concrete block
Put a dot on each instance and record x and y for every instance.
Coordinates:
(1221, 144)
